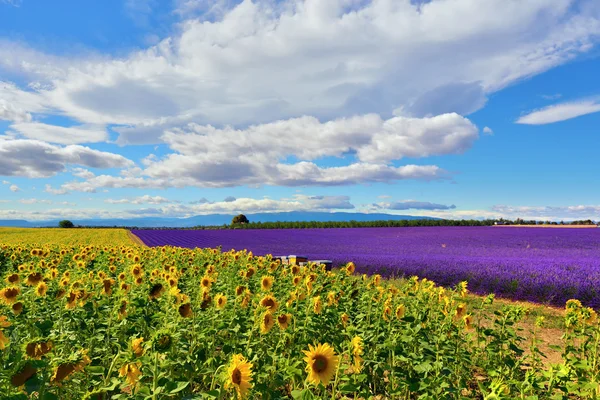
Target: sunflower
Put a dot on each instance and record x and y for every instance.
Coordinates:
(17, 308)
(185, 310)
(331, 299)
(239, 375)
(357, 352)
(321, 363)
(123, 309)
(387, 312)
(9, 295)
(400, 310)
(122, 276)
(284, 320)
(63, 371)
(266, 323)
(295, 269)
(131, 372)
(107, 286)
(350, 268)
(468, 320)
(206, 282)
(34, 278)
(4, 341)
(266, 283)
(37, 349)
(220, 301)
(13, 279)
(162, 341)
(71, 301)
(137, 347)
(24, 374)
(41, 289)
(376, 279)
(136, 270)
(317, 304)
(296, 280)
(269, 302)
(156, 291)
(246, 298)
(461, 310)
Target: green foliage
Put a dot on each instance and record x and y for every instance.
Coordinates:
(239, 219)
(65, 223)
(103, 329)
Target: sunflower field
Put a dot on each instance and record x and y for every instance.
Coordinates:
(127, 322)
(67, 237)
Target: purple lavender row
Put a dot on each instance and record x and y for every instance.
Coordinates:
(533, 264)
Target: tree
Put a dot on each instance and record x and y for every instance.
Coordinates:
(240, 219)
(65, 223)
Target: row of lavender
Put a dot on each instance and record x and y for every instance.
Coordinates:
(543, 265)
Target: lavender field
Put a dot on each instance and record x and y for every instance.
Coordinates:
(543, 265)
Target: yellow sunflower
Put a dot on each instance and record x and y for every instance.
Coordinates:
(400, 311)
(344, 317)
(4, 340)
(239, 375)
(321, 363)
(284, 320)
(17, 308)
(9, 295)
(269, 302)
(220, 301)
(266, 323)
(357, 352)
(36, 350)
(41, 289)
(266, 283)
(13, 279)
(137, 347)
(317, 305)
(240, 290)
(350, 268)
(131, 372)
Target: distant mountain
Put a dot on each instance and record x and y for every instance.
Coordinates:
(217, 219)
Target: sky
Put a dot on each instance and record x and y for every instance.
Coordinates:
(173, 108)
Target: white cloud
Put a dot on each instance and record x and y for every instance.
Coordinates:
(14, 188)
(60, 134)
(12, 113)
(560, 112)
(488, 131)
(550, 212)
(146, 199)
(35, 201)
(35, 159)
(5, 182)
(255, 62)
(50, 190)
(413, 205)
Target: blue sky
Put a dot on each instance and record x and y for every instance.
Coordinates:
(456, 109)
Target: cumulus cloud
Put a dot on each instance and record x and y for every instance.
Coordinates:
(413, 205)
(488, 131)
(240, 205)
(560, 112)
(35, 201)
(146, 199)
(258, 61)
(550, 212)
(60, 134)
(36, 159)
(14, 188)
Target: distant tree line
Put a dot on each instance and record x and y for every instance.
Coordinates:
(242, 222)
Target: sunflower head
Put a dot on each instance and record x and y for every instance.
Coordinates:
(350, 268)
(137, 346)
(25, 373)
(266, 283)
(34, 278)
(400, 311)
(17, 308)
(37, 348)
(220, 301)
(131, 372)
(41, 289)
(269, 302)
(13, 279)
(156, 291)
(284, 320)
(321, 363)
(185, 310)
(9, 295)
(317, 304)
(239, 375)
(162, 341)
(266, 322)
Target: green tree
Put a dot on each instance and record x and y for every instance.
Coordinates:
(65, 223)
(240, 219)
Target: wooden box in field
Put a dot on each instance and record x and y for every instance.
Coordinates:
(296, 260)
(327, 263)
